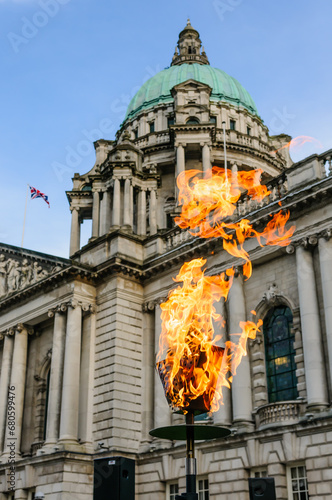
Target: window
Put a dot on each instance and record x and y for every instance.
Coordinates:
(192, 121)
(248, 131)
(259, 473)
(170, 121)
(213, 119)
(279, 355)
(173, 491)
(297, 483)
(136, 133)
(203, 489)
(232, 124)
(151, 127)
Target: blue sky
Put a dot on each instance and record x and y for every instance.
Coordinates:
(70, 67)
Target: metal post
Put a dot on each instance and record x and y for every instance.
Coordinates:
(190, 460)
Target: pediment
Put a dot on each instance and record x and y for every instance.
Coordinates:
(190, 85)
(21, 268)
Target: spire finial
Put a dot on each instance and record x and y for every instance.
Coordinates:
(189, 47)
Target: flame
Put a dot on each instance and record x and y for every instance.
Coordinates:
(207, 201)
(189, 361)
(193, 369)
(298, 142)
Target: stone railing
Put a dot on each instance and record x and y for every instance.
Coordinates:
(285, 413)
(236, 137)
(162, 137)
(326, 162)
(36, 446)
(177, 237)
(277, 187)
(245, 205)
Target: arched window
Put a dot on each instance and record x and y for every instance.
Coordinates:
(192, 121)
(279, 355)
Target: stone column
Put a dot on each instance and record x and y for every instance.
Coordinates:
(21, 494)
(75, 232)
(105, 221)
(6, 365)
(131, 204)
(153, 212)
(71, 376)
(17, 384)
(180, 160)
(54, 399)
(206, 158)
(149, 364)
(86, 377)
(311, 333)
(325, 261)
(142, 213)
(127, 219)
(241, 384)
(116, 203)
(162, 412)
(95, 214)
(224, 415)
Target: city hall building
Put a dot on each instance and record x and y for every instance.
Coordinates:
(79, 336)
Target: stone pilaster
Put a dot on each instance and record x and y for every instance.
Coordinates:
(153, 212)
(325, 261)
(148, 375)
(71, 377)
(206, 158)
(54, 400)
(241, 384)
(95, 214)
(105, 220)
(127, 219)
(6, 366)
(310, 324)
(86, 377)
(116, 203)
(162, 412)
(224, 415)
(75, 232)
(180, 165)
(142, 213)
(17, 384)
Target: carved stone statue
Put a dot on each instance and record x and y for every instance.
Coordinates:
(14, 274)
(3, 275)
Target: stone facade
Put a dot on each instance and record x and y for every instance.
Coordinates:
(79, 336)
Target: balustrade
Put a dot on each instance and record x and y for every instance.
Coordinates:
(273, 413)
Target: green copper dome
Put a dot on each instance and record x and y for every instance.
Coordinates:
(157, 89)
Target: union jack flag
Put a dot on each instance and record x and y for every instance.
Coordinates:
(35, 193)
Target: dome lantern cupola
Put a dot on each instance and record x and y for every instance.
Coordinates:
(188, 49)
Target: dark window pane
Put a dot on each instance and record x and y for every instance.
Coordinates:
(283, 364)
(279, 355)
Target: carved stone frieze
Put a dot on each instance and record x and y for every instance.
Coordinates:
(17, 274)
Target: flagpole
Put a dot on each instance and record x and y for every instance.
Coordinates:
(25, 213)
(225, 154)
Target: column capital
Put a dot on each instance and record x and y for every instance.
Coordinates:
(290, 249)
(72, 209)
(309, 242)
(326, 234)
(88, 308)
(60, 308)
(21, 327)
(148, 307)
(180, 144)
